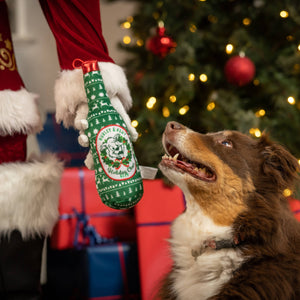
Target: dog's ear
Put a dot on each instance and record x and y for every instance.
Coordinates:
(278, 163)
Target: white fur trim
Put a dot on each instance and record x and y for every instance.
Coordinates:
(29, 193)
(19, 112)
(115, 83)
(69, 93)
(69, 90)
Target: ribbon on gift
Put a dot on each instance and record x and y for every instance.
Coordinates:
(91, 215)
(82, 221)
(94, 239)
(90, 234)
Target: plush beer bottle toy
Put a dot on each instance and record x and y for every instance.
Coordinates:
(117, 174)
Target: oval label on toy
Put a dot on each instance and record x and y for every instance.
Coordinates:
(114, 151)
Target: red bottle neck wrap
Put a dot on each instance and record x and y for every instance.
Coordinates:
(87, 66)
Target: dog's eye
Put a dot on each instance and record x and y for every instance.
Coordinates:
(227, 143)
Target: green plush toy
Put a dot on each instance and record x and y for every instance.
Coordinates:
(117, 173)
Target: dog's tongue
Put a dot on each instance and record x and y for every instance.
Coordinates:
(193, 170)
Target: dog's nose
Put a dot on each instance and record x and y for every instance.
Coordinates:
(173, 126)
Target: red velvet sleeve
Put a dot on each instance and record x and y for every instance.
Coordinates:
(76, 26)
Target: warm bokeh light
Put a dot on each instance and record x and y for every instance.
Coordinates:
(246, 21)
(140, 42)
(229, 48)
(291, 100)
(260, 113)
(255, 131)
(287, 193)
(126, 25)
(165, 112)
(126, 39)
(183, 110)
(134, 123)
(211, 106)
(284, 14)
(203, 77)
(151, 102)
(130, 19)
(172, 98)
(191, 77)
(193, 28)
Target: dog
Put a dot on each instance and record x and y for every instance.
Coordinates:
(237, 238)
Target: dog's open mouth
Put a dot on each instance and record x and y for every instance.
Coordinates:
(174, 159)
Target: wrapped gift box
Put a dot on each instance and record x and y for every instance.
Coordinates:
(159, 206)
(57, 139)
(79, 202)
(295, 207)
(104, 272)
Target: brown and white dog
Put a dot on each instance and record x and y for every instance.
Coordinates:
(237, 238)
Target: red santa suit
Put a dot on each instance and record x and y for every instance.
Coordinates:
(29, 188)
(76, 26)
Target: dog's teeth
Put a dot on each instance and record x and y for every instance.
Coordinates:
(175, 156)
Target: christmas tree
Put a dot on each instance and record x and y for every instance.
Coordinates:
(214, 65)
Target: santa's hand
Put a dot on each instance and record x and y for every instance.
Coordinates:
(115, 83)
(69, 93)
(71, 100)
(81, 124)
(89, 162)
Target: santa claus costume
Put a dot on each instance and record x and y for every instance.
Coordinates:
(29, 188)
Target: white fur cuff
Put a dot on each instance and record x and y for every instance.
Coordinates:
(29, 193)
(69, 90)
(115, 83)
(19, 113)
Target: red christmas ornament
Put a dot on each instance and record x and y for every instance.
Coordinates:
(160, 44)
(239, 70)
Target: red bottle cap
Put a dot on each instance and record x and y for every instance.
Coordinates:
(87, 66)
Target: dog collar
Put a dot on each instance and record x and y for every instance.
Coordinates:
(222, 244)
(216, 245)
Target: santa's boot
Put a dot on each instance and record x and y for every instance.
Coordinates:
(20, 267)
(28, 212)
(29, 189)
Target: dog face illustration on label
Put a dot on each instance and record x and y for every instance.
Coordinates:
(114, 151)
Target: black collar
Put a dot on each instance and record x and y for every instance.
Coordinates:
(212, 244)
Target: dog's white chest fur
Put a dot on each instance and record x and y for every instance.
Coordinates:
(202, 276)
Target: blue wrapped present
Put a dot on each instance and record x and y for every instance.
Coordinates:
(117, 265)
(57, 139)
(96, 268)
(103, 272)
